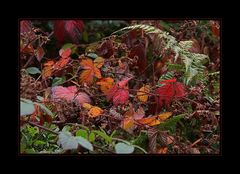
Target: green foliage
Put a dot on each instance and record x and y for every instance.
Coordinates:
(83, 133)
(170, 124)
(104, 135)
(35, 141)
(33, 70)
(141, 140)
(58, 81)
(123, 148)
(84, 143)
(73, 47)
(69, 142)
(27, 107)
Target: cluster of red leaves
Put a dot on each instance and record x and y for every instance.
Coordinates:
(68, 29)
(170, 89)
(119, 93)
(69, 93)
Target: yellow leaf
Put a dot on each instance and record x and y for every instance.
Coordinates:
(154, 123)
(164, 116)
(98, 62)
(142, 93)
(95, 112)
(48, 69)
(105, 84)
(87, 106)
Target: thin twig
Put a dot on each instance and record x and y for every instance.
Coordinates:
(195, 142)
(42, 127)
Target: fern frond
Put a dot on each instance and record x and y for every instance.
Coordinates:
(163, 41)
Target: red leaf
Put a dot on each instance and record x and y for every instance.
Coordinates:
(106, 49)
(70, 29)
(119, 93)
(73, 29)
(61, 63)
(65, 53)
(25, 26)
(168, 81)
(69, 93)
(59, 30)
(139, 51)
(170, 89)
(130, 38)
(39, 53)
(215, 27)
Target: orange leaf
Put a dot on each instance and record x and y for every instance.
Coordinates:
(48, 69)
(162, 150)
(49, 63)
(154, 123)
(89, 71)
(61, 63)
(142, 93)
(128, 124)
(155, 120)
(105, 84)
(39, 53)
(164, 116)
(147, 120)
(95, 111)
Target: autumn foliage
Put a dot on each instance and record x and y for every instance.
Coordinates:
(94, 87)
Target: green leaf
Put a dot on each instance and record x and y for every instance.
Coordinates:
(33, 70)
(170, 124)
(73, 47)
(92, 55)
(58, 81)
(91, 137)
(82, 133)
(44, 108)
(166, 76)
(66, 128)
(27, 108)
(141, 140)
(123, 148)
(84, 143)
(164, 25)
(67, 141)
(104, 136)
(32, 130)
(39, 142)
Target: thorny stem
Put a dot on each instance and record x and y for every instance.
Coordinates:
(31, 58)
